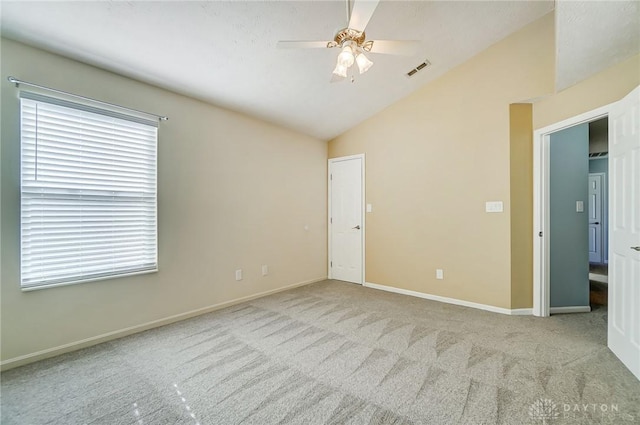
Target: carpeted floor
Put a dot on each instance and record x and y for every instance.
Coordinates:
(336, 353)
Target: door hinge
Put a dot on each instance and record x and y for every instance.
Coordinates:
(540, 234)
(331, 220)
(331, 263)
(330, 176)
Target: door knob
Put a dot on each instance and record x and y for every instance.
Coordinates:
(637, 248)
(358, 228)
(597, 222)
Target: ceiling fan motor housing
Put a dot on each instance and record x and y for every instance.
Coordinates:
(348, 34)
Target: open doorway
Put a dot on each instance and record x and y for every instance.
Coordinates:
(569, 220)
(622, 315)
(563, 147)
(578, 217)
(598, 213)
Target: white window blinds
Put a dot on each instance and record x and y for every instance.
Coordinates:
(88, 193)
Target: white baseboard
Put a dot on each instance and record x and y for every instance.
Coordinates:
(94, 340)
(486, 307)
(521, 312)
(572, 309)
(599, 278)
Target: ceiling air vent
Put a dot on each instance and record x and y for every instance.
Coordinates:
(597, 155)
(420, 67)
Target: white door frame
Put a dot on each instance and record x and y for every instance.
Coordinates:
(329, 224)
(541, 229)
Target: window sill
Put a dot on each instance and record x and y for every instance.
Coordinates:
(76, 282)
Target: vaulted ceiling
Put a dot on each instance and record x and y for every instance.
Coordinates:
(224, 52)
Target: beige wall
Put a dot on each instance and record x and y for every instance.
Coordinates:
(603, 88)
(521, 193)
(435, 157)
(234, 192)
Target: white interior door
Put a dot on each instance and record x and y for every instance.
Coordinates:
(595, 218)
(346, 220)
(624, 225)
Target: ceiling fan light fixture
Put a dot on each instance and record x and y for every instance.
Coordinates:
(353, 44)
(340, 71)
(363, 63)
(345, 58)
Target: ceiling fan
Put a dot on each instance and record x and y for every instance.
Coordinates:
(353, 42)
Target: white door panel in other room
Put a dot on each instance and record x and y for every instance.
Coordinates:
(346, 220)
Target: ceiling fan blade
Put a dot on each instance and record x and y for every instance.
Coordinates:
(394, 47)
(361, 14)
(300, 44)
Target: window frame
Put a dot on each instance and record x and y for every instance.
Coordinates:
(152, 218)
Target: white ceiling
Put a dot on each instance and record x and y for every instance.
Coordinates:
(224, 52)
(593, 36)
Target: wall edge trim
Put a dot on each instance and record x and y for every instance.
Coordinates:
(109, 336)
(455, 301)
(570, 309)
(521, 312)
(599, 277)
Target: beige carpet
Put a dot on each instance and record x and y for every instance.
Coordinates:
(336, 353)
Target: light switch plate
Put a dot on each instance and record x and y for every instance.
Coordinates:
(369, 207)
(493, 206)
(579, 206)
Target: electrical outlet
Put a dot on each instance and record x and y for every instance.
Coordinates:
(239, 274)
(439, 274)
(265, 270)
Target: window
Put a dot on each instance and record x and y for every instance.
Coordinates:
(88, 193)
